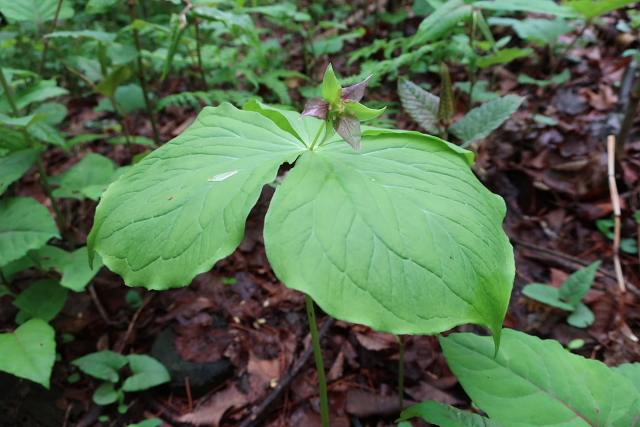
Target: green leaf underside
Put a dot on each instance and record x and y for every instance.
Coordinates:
(533, 382)
(25, 225)
(350, 229)
(179, 211)
(29, 352)
(401, 237)
(421, 105)
(445, 415)
(481, 121)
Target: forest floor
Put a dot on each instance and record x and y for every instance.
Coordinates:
(237, 333)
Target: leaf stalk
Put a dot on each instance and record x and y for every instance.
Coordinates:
(317, 351)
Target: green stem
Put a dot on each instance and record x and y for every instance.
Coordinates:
(322, 380)
(46, 41)
(141, 76)
(199, 49)
(317, 138)
(401, 341)
(9, 91)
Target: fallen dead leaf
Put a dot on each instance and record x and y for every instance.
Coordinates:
(211, 412)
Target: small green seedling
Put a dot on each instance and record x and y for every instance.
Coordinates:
(569, 296)
(106, 364)
(606, 226)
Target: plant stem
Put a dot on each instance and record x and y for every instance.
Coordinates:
(141, 76)
(401, 342)
(9, 91)
(315, 141)
(46, 40)
(322, 380)
(198, 47)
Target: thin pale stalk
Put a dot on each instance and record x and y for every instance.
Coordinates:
(141, 76)
(322, 380)
(317, 138)
(46, 41)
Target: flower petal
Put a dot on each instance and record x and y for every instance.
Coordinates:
(316, 107)
(348, 127)
(354, 93)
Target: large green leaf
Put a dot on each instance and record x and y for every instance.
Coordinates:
(184, 206)
(25, 225)
(15, 165)
(44, 299)
(444, 415)
(481, 121)
(538, 6)
(100, 6)
(401, 237)
(441, 22)
(101, 36)
(421, 105)
(591, 9)
(73, 266)
(89, 178)
(532, 382)
(29, 351)
(34, 10)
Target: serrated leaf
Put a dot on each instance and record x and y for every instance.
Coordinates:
(37, 11)
(481, 121)
(25, 225)
(392, 237)
(44, 299)
(15, 165)
(529, 374)
(147, 373)
(29, 351)
(441, 22)
(577, 285)
(104, 364)
(538, 6)
(421, 105)
(444, 415)
(581, 316)
(164, 222)
(546, 294)
(591, 9)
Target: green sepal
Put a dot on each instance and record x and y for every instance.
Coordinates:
(331, 89)
(364, 113)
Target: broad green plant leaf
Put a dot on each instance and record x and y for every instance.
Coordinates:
(577, 285)
(15, 165)
(421, 105)
(113, 81)
(184, 206)
(25, 225)
(128, 98)
(89, 178)
(557, 79)
(481, 121)
(47, 133)
(532, 382)
(538, 6)
(503, 56)
(401, 237)
(151, 422)
(37, 11)
(44, 299)
(581, 317)
(104, 365)
(442, 21)
(391, 237)
(56, 112)
(546, 294)
(147, 373)
(41, 91)
(543, 31)
(591, 9)
(29, 351)
(73, 266)
(100, 6)
(106, 394)
(444, 415)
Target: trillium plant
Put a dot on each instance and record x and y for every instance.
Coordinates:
(387, 228)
